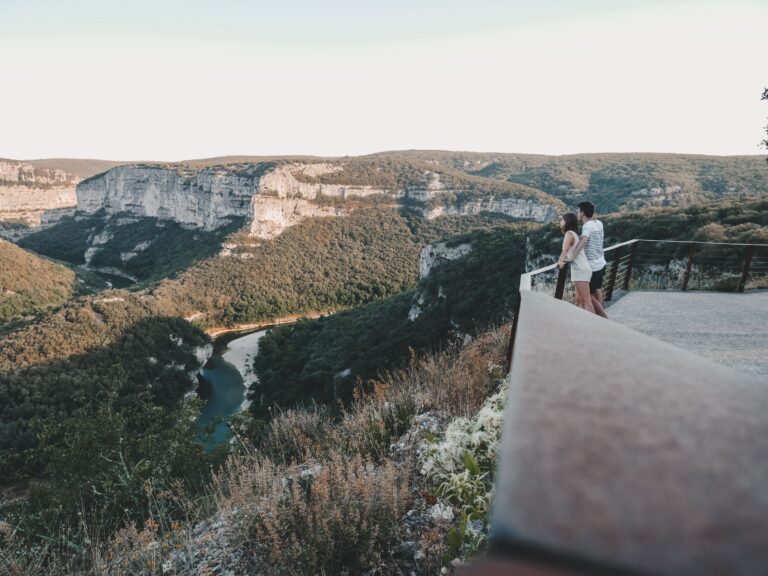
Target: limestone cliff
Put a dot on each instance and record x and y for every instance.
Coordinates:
(275, 195)
(27, 192)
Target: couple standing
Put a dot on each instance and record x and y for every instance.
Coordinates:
(585, 255)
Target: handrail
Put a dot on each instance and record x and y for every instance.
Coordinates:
(525, 278)
(553, 266)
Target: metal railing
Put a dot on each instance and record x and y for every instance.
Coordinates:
(641, 264)
(665, 265)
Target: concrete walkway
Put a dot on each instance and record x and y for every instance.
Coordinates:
(731, 329)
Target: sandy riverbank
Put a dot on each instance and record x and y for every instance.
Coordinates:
(240, 353)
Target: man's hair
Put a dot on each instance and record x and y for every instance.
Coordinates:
(588, 208)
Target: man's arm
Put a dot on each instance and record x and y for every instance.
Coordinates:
(579, 247)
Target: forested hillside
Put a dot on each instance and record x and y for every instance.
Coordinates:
(94, 350)
(91, 411)
(29, 284)
(321, 264)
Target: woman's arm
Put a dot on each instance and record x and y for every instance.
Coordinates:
(567, 243)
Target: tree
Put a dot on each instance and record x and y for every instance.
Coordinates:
(764, 143)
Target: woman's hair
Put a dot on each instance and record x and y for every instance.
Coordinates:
(571, 222)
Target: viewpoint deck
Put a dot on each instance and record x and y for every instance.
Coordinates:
(730, 329)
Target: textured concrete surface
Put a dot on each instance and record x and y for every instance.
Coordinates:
(623, 449)
(731, 329)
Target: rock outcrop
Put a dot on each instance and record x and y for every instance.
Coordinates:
(434, 254)
(270, 216)
(431, 256)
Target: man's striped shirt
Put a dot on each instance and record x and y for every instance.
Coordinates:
(593, 230)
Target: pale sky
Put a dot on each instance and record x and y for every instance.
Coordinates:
(181, 79)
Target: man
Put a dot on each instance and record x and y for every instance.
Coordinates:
(592, 243)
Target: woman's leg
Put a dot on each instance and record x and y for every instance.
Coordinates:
(582, 296)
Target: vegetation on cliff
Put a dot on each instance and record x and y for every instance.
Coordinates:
(146, 248)
(320, 264)
(92, 420)
(320, 360)
(54, 366)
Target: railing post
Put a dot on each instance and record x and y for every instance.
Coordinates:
(687, 276)
(560, 287)
(513, 332)
(747, 263)
(612, 277)
(630, 265)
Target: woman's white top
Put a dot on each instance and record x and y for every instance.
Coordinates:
(580, 269)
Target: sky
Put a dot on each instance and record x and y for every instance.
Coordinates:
(172, 80)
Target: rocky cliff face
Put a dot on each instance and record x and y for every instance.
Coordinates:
(205, 199)
(433, 255)
(524, 209)
(28, 193)
(272, 197)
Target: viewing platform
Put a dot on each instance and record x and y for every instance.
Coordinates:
(637, 445)
(730, 329)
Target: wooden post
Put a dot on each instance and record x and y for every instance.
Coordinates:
(513, 332)
(612, 278)
(560, 287)
(630, 265)
(687, 276)
(747, 263)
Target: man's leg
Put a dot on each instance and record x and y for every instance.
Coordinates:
(597, 303)
(596, 291)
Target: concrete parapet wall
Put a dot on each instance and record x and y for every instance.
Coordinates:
(626, 450)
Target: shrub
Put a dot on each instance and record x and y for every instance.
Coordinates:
(461, 468)
(339, 516)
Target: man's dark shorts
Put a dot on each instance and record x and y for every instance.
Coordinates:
(596, 282)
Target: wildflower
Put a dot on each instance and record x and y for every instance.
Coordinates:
(151, 524)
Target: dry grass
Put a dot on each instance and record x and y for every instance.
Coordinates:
(338, 516)
(317, 494)
(457, 381)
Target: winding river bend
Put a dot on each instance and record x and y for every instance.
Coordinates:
(225, 379)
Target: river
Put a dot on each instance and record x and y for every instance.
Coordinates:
(113, 280)
(226, 377)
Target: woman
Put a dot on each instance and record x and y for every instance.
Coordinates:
(580, 270)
